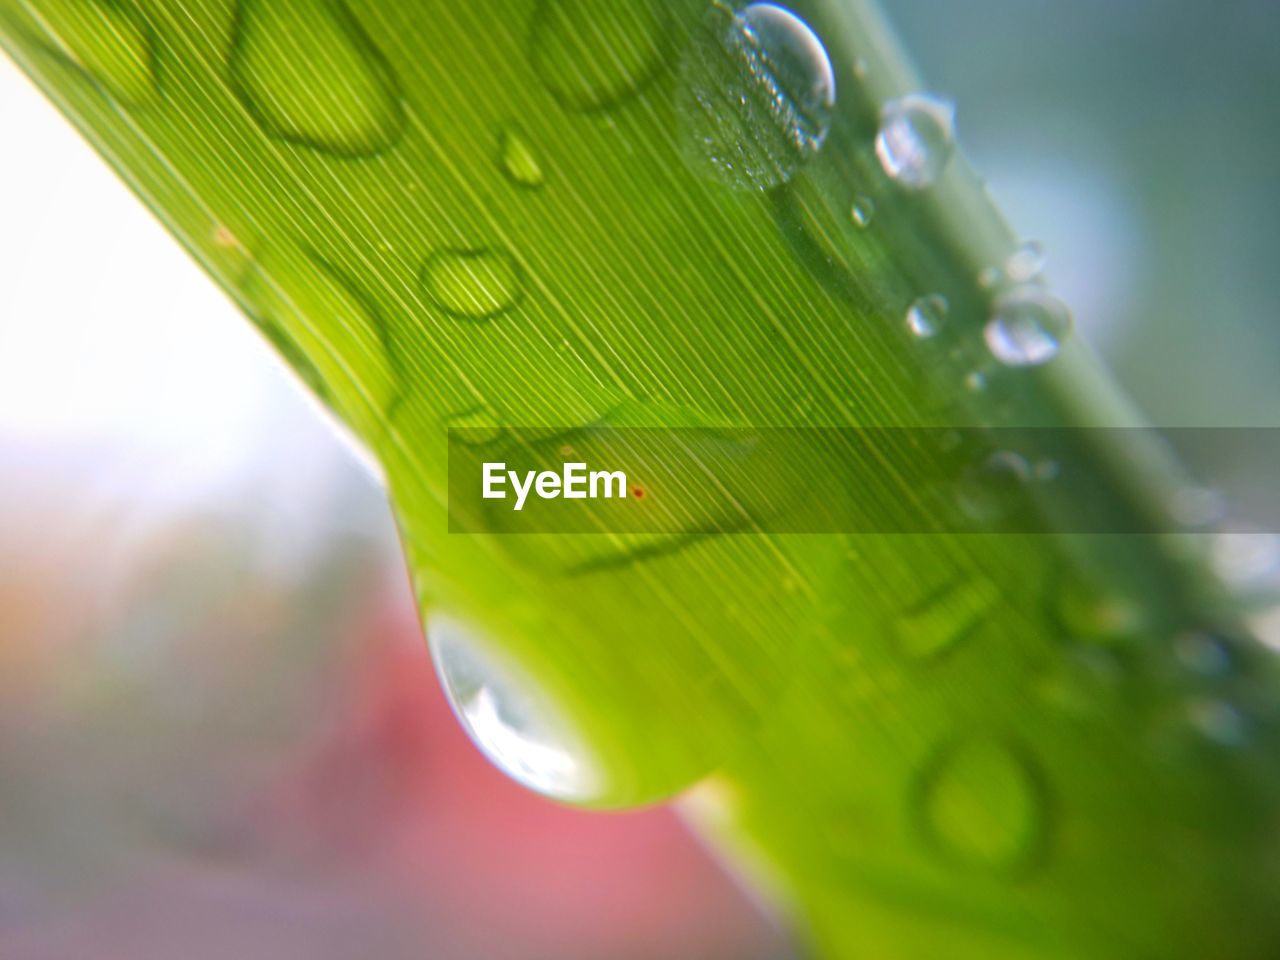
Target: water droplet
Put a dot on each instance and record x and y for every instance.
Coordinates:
(756, 94)
(982, 805)
(989, 278)
(473, 284)
(1098, 614)
(593, 54)
(863, 212)
(927, 314)
(1025, 263)
(992, 488)
(976, 381)
(1197, 506)
(916, 139)
(1026, 328)
(1245, 559)
(518, 159)
(1203, 654)
(111, 42)
(509, 719)
(944, 618)
(286, 61)
(1219, 722)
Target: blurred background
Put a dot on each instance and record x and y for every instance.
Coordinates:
(220, 734)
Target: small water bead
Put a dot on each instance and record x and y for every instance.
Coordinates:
(509, 719)
(863, 212)
(756, 94)
(990, 277)
(1203, 654)
(1197, 507)
(982, 805)
(975, 381)
(1219, 722)
(1026, 328)
(916, 139)
(594, 54)
(518, 160)
(927, 314)
(473, 284)
(285, 58)
(1245, 559)
(1025, 263)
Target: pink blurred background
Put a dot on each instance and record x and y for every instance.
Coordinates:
(220, 731)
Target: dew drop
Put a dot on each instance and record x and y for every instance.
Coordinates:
(1219, 722)
(473, 284)
(990, 277)
(927, 314)
(1203, 654)
(307, 72)
(1026, 328)
(1245, 559)
(975, 381)
(1025, 263)
(982, 805)
(110, 42)
(1097, 614)
(755, 98)
(593, 54)
(916, 139)
(945, 618)
(518, 160)
(509, 719)
(863, 212)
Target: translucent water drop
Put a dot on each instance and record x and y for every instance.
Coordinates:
(593, 54)
(474, 284)
(110, 42)
(863, 212)
(927, 314)
(1202, 653)
(509, 719)
(1097, 614)
(1245, 559)
(1219, 722)
(1025, 263)
(308, 74)
(1026, 328)
(982, 805)
(756, 94)
(916, 139)
(990, 277)
(518, 160)
(975, 381)
(944, 618)
(994, 487)
(1195, 507)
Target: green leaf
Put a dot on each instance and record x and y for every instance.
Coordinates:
(534, 220)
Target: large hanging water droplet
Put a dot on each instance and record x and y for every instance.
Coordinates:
(592, 54)
(916, 139)
(982, 805)
(756, 94)
(1027, 327)
(509, 719)
(111, 42)
(927, 314)
(473, 284)
(308, 73)
(518, 160)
